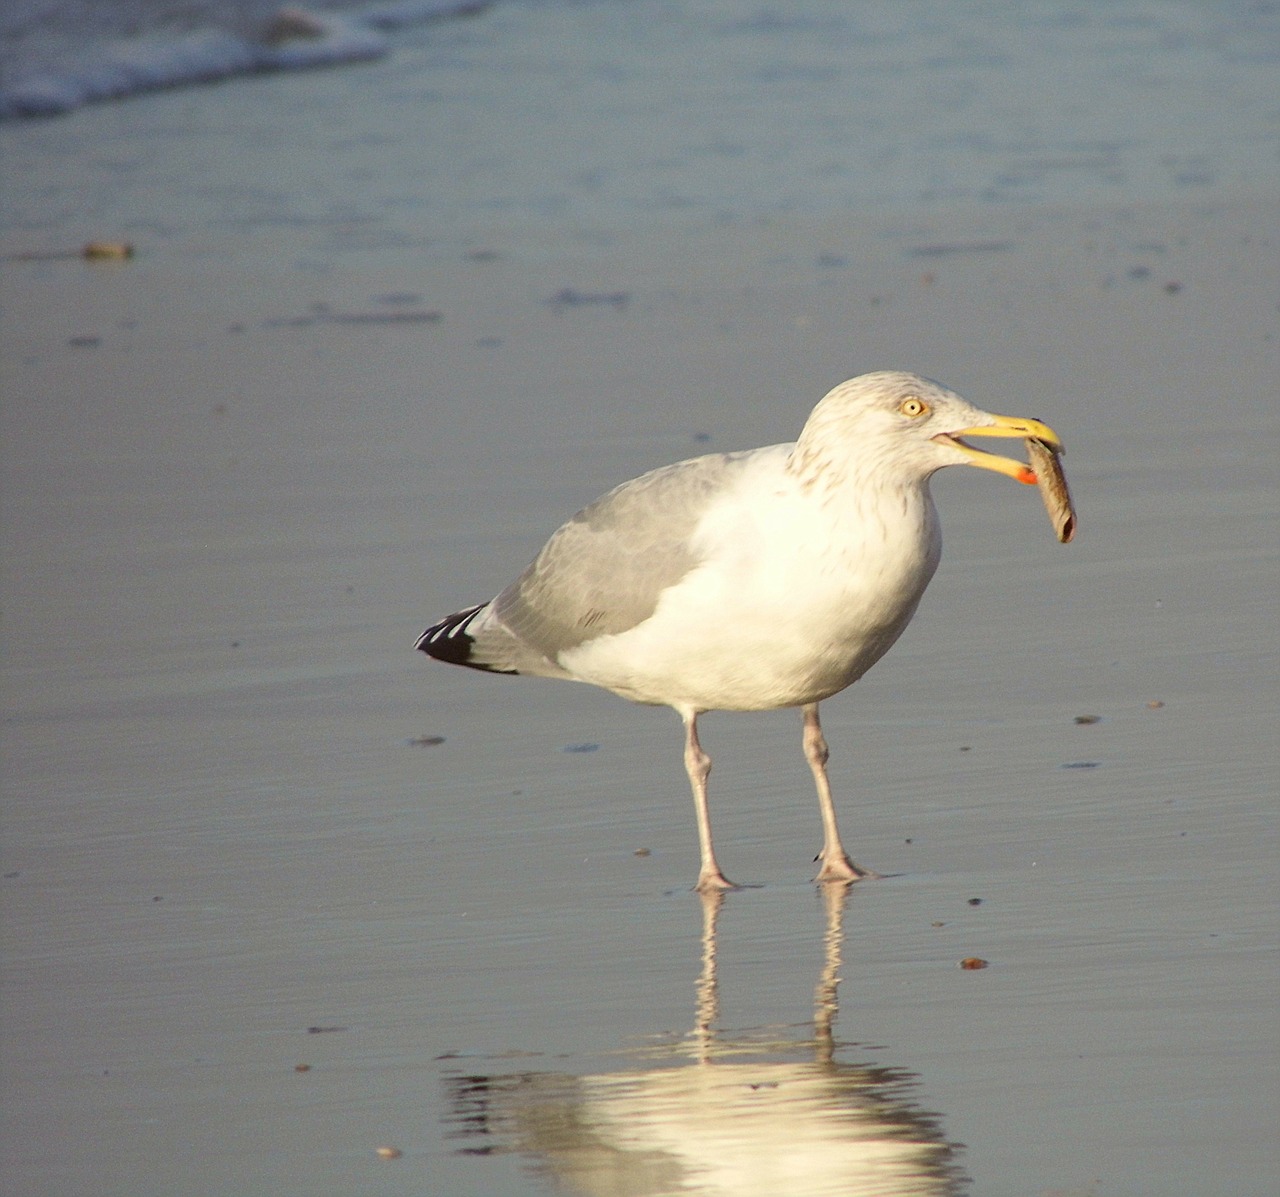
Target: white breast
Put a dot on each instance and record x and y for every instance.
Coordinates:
(799, 592)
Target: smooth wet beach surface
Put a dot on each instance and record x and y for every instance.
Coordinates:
(278, 892)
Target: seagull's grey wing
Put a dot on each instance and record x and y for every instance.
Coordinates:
(604, 571)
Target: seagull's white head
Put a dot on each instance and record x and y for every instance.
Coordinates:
(902, 428)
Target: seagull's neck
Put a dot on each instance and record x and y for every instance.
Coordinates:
(880, 519)
(869, 484)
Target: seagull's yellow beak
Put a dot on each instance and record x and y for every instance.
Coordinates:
(1013, 426)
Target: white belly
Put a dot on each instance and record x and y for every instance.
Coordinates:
(737, 634)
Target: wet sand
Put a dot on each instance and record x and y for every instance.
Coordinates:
(278, 891)
(248, 830)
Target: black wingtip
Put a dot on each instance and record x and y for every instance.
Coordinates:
(449, 641)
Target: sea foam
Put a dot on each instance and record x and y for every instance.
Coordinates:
(293, 39)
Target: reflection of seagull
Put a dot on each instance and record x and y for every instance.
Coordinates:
(751, 1116)
(746, 581)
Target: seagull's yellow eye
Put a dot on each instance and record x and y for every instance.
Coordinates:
(913, 406)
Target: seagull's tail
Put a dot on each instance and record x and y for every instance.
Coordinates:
(451, 641)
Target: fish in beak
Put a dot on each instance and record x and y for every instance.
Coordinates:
(1006, 426)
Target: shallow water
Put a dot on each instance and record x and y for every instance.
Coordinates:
(247, 830)
(579, 121)
(223, 531)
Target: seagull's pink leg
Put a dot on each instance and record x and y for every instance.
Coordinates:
(836, 865)
(698, 765)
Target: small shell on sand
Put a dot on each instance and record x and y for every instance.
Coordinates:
(113, 251)
(1053, 488)
(292, 24)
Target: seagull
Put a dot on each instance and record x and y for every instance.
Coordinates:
(747, 581)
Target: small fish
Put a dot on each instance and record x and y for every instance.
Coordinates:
(1053, 488)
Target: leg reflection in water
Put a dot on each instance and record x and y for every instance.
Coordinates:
(720, 1114)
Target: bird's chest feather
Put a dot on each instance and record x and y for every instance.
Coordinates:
(793, 602)
(851, 570)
